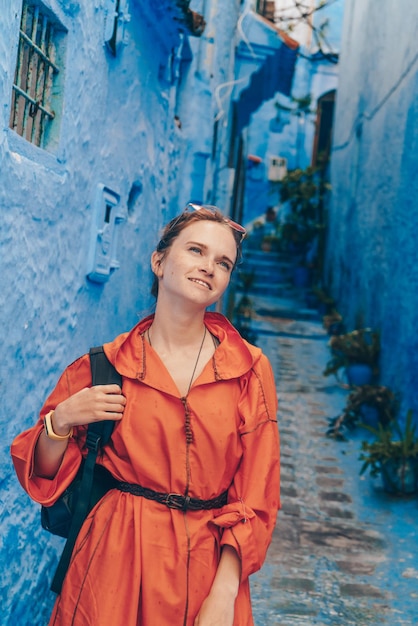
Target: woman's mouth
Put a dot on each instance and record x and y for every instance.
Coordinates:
(201, 282)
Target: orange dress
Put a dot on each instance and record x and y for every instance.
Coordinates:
(137, 562)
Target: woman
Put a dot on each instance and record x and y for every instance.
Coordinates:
(197, 417)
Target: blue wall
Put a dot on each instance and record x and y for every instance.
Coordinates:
(293, 138)
(113, 132)
(372, 263)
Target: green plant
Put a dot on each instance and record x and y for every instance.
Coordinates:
(332, 319)
(391, 445)
(270, 242)
(300, 188)
(382, 399)
(324, 298)
(246, 281)
(303, 192)
(358, 346)
(244, 309)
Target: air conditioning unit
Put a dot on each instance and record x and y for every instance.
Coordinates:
(277, 169)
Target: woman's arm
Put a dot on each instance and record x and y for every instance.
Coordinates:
(92, 404)
(218, 607)
(248, 520)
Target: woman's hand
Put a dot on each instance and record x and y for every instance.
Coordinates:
(219, 606)
(92, 404)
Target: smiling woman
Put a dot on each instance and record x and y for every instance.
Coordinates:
(204, 255)
(187, 522)
(195, 213)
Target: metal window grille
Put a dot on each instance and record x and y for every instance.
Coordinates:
(31, 110)
(266, 8)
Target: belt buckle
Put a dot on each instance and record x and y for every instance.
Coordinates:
(172, 503)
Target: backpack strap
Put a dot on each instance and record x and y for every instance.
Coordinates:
(98, 434)
(102, 373)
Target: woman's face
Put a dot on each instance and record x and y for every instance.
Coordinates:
(197, 267)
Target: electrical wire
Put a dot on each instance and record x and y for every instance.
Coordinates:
(231, 83)
(369, 116)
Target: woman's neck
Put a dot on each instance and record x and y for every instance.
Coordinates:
(177, 329)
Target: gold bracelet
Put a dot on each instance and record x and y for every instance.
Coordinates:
(49, 431)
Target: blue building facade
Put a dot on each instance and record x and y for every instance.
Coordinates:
(372, 257)
(114, 114)
(285, 132)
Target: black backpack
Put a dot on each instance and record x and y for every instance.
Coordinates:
(66, 516)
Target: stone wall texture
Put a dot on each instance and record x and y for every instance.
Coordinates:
(118, 129)
(372, 253)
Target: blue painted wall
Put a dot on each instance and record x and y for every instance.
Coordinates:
(293, 137)
(372, 265)
(113, 132)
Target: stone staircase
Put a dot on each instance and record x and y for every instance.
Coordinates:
(267, 284)
(272, 272)
(272, 288)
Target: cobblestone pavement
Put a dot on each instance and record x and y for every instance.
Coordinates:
(343, 552)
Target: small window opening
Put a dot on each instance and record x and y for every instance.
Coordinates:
(134, 195)
(108, 211)
(37, 74)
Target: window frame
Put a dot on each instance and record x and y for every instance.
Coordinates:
(36, 101)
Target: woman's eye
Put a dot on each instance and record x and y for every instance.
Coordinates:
(195, 249)
(225, 265)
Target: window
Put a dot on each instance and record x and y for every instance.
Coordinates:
(266, 8)
(277, 169)
(36, 106)
(323, 134)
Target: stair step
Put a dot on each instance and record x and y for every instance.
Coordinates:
(268, 289)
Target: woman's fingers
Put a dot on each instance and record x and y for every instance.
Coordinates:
(92, 404)
(112, 389)
(109, 394)
(106, 402)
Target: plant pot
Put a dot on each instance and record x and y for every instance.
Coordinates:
(369, 415)
(400, 476)
(335, 328)
(359, 374)
(323, 308)
(295, 248)
(301, 276)
(311, 300)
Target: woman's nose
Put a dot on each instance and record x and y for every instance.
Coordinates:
(208, 265)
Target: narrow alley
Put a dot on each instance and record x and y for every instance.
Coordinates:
(343, 552)
(299, 120)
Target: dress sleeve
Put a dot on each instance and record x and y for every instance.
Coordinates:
(249, 517)
(44, 490)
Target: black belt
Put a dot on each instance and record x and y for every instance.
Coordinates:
(174, 500)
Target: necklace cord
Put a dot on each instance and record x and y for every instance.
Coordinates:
(197, 360)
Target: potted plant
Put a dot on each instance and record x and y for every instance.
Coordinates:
(303, 193)
(358, 353)
(367, 404)
(333, 323)
(244, 309)
(326, 304)
(270, 243)
(394, 455)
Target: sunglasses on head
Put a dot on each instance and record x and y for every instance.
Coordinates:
(209, 208)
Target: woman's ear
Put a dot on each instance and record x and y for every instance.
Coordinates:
(156, 263)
